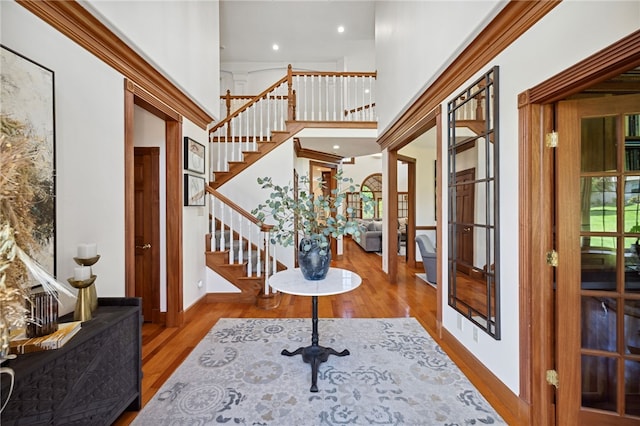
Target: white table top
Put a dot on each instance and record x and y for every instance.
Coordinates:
(337, 281)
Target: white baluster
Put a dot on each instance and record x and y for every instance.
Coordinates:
(342, 107)
(231, 238)
(258, 252)
(246, 119)
(240, 239)
(266, 99)
(254, 109)
(370, 115)
(232, 154)
(335, 110)
(261, 118)
(326, 101)
(305, 97)
(249, 244)
(362, 103)
(347, 96)
(223, 239)
(313, 105)
(266, 256)
(273, 257)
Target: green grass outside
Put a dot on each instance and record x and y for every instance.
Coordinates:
(603, 219)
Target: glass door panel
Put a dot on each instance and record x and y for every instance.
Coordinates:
(604, 333)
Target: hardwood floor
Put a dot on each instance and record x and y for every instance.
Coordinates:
(164, 349)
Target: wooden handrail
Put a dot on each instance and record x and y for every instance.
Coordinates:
(354, 110)
(332, 73)
(263, 227)
(248, 104)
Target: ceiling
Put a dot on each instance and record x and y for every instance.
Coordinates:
(306, 32)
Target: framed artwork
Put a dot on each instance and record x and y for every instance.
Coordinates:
(193, 190)
(193, 155)
(28, 131)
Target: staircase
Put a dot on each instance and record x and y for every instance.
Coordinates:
(237, 245)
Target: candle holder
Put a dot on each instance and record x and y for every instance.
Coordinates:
(83, 304)
(93, 296)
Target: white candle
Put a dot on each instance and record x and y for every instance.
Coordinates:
(86, 251)
(81, 273)
(92, 249)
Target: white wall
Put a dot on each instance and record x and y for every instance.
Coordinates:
(89, 146)
(89, 113)
(415, 40)
(180, 37)
(534, 57)
(195, 225)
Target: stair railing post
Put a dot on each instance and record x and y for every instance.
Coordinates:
(293, 101)
(290, 103)
(228, 102)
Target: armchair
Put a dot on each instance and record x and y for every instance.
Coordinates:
(428, 253)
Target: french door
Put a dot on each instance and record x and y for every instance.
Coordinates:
(597, 219)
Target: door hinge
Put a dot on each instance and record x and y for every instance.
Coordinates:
(551, 139)
(552, 258)
(552, 378)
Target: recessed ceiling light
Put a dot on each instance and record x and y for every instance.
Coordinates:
(336, 147)
(340, 29)
(275, 47)
(366, 90)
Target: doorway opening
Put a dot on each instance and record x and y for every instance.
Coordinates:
(135, 96)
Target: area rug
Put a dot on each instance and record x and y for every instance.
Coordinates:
(395, 375)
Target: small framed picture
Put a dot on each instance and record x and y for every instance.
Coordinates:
(193, 155)
(193, 190)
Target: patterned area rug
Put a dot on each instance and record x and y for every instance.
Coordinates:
(395, 375)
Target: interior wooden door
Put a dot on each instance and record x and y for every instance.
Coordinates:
(598, 275)
(147, 202)
(465, 198)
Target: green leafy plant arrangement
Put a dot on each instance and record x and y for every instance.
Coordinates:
(312, 217)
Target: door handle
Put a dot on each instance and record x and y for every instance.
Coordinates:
(144, 247)
(467, 229)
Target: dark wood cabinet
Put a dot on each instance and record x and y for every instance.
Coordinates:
(89, 381)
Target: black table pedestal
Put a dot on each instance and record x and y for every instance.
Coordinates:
(314, 354)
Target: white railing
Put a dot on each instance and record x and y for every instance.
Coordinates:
(334, 96)
(299, 96)
(246, 240)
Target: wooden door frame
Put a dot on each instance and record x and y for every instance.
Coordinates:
(426, 123)
(470, 171)
(333, 168)
(536, 118)
(411, 209)
(134, 95)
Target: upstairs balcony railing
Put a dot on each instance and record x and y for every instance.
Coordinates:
(298, 96)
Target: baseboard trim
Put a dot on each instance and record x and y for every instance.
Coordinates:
(229, 298)
(513, 409)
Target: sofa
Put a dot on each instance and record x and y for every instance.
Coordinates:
(370, 234)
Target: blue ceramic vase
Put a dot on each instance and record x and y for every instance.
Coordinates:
(314, 265)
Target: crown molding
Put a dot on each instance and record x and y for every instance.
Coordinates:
(314, 155)
(74, 21)
(602, 65)
(512, 21)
